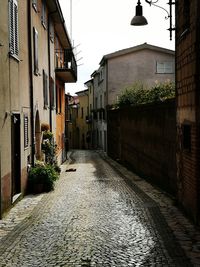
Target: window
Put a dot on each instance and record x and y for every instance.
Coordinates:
(58, 100)
(45, 89)
(100, 76)
(34, 4)
(44, 14)
(26, 131)
(51, 31)
(52, 93)
(96, 102)
(13, 27)
(165, 67)
(101, 101)
(35, 47)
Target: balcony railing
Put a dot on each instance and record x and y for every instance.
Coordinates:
(66, 67)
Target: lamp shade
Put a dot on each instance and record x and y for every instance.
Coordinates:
(139, 19)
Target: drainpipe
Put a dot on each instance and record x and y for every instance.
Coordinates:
(31, 81)
(49, 65)
(0, 185)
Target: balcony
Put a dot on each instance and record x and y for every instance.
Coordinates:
(66, 67)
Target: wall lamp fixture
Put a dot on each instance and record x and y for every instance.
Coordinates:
(140, 20)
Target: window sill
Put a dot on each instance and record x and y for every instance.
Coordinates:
(35, 7)
(15, 57)
(44, 25)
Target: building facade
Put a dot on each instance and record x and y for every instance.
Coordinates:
(90, 119)
(81, 120)
(188, 108)
(143, 63)
(36, 59)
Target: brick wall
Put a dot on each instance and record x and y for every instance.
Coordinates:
(188, 111)
(144, 139)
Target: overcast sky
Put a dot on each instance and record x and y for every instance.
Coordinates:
(100, 27)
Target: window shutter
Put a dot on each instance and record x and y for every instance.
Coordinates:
(60, 98)
(26, 141)
(52, 92)
(51, 31)
(13, 27)
(45, 89)
(57, 95)
(35, 40)
(34, 4)
(44, 15)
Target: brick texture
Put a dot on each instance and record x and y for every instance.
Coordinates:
(187, 84)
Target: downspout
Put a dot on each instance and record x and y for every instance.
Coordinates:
(0, 185)
(49, 65)
(31, 82)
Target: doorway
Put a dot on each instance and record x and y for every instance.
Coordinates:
(16, 154)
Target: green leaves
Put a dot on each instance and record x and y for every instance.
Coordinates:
(137, 94)
(44, 175)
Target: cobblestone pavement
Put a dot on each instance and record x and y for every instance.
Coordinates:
(97, 217)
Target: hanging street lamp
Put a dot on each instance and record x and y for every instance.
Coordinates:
(140, 20)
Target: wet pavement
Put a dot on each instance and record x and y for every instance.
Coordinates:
(99, 215)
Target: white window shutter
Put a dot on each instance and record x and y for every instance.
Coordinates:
(16, 44)
(13, 27)
(35, 40)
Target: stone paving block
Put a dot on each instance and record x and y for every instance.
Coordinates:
(100, 215)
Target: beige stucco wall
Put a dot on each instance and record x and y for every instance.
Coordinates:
(137, 66)
(14, 88)
(14, 92)
(23, 89)
(4, 91)
(81, 121)
(42, 63)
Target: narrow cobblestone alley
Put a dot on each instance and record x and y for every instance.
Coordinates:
(94, 217)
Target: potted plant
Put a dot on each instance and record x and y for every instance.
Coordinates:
(42, 178)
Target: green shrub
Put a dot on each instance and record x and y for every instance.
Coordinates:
(49, 148)
(43, 177)
(47, 135)
(137, 94)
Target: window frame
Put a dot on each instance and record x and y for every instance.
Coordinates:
(164, 63)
